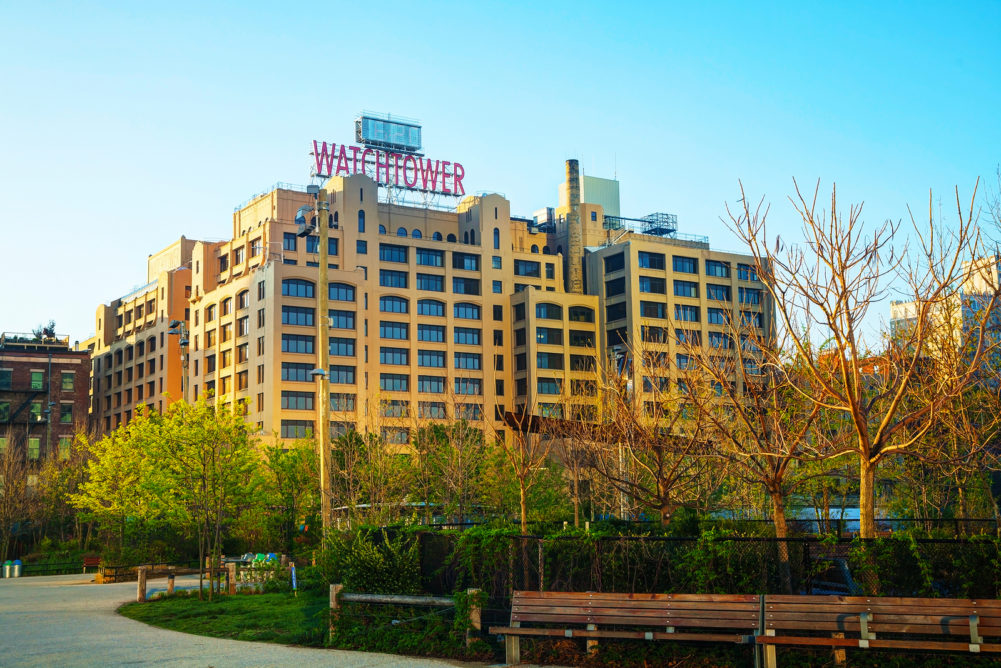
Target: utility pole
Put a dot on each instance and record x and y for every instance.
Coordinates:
(323, 355)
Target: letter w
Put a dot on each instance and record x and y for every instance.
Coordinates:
(322, 155)
(426, 170)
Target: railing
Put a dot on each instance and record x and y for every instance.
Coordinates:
(28, 339)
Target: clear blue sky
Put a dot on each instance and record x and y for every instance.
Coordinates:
(125, 126)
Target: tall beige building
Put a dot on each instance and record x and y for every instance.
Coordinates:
(434, 313)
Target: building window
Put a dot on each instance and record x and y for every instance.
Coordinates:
(391, 304)
(37, 380)
(340, 319)
(238, 256)
(432, 333)
(685, 265)
(581, 338)
(468, 336)
(341, 292)
(751, 318)
(6, 376)
(431, 384)
(549, 335)
(653, 285)
(468, 361)
(653, 309)
(431, 358)
(392, 279)
(431, 282)
(496, 262)
(615, 311)
(34, 447)
(717, 268)
(548, 311)
(295, 287)
(243, 326)
(341, 347)
(466, 261)
(614, 263)
(686, 313)
(527, 268)
(67, 379)
(720, 340)
(342, 401)
(296, 372)
(746, 272)
(289, 241)
(394, 356)
(650, 260)
(297, 401)
(431, 410)
(241, 353)
(716, 316)
(614, 287)
(430, 307)
(467, 311)
(469, 386)
(549, 360)
(394, 330)
(718, 292)
(549, 386)
(430, 258)
(342, 375)
(391, 253)
(749, 295)
(361, 221)
(296, 428)
(465, 286)
(496, 238)
(294, 315)
(394, 382)
(361, 247)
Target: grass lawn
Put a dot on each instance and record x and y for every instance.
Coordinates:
(279, 618)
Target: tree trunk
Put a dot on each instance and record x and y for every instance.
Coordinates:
(781, 533)
(523, 502)
(867, 498)
(576, 501)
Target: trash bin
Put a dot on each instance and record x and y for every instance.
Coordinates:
(15, 569)
(6, 568)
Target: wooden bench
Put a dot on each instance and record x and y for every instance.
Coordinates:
(958, 625)
(690, 617)
(91, 562)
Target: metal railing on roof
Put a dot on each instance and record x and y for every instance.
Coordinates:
(280, 185)
(29, 339)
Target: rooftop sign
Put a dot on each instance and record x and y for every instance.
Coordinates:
(403, 170)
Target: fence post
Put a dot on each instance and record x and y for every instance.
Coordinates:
(170, 582)
(542, 567)
(335, 591)
(141, 585)
(231, 577)
(475, 616)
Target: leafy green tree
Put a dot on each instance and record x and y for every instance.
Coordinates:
(208, 457)
(290, 489)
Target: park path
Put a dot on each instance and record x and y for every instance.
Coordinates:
(66, 620)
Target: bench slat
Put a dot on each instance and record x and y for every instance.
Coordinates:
(875, 643)
(746, 598)
(641, 612)
(880, 618)
(750, 622)
(637, 635)
(633, 605)
(820, 599)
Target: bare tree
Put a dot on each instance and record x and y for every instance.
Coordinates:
(15, 505)
(650, 442)
(824, 290)
(526, 451)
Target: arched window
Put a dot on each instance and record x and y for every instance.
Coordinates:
(436, 236)
(431, 307)
(392, 304)
(467, 311)
(559, 250)
(297, 287)
(535, 249)
(330, 220)
(472, 237)
(382, 229)
(548, 311)
(341, 292)
(450, 238)
(581, 314)
(401, 232)
(465, 237)
(361, 221)
(496, 238)
(361, 194)
(546, 251)
(416, 234)
(337, 218)
(226, 307)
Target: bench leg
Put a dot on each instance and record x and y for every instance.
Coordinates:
(592, 643)
(840, 655)
(770, 661)
(512, 650)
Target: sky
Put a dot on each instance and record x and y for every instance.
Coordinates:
(125, 126)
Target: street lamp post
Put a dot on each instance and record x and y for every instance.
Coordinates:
(320, 224)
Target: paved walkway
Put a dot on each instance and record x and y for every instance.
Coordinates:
(66, 620)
